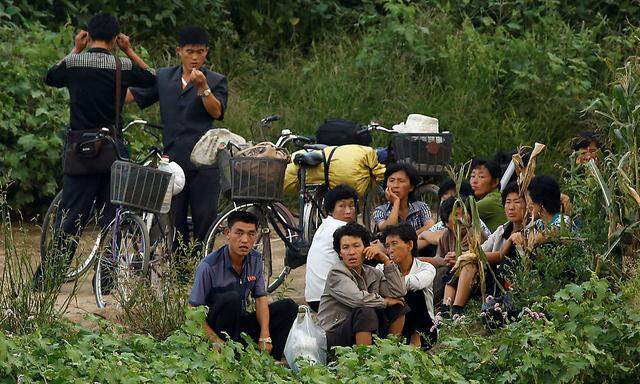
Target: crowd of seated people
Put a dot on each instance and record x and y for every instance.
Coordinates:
(359, 288)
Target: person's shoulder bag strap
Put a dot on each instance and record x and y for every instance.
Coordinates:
(116, 126)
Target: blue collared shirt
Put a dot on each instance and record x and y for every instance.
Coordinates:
(216, 275)
(419, 214)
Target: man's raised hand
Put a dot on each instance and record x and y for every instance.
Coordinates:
(81, 41)
(198, 79)
(124, 43)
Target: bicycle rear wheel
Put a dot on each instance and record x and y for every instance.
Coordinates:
(273, 248)
(86, 245)
(123, 262)
(373, 198)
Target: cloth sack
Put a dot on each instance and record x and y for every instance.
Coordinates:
(306, 341)
(178, 177)
(206, 149)
(354, 165)
(417, 123)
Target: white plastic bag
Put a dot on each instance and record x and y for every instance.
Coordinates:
(306, 340)
(206, 149)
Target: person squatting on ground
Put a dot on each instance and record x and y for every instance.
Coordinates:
(360, 300)
(401, 181)
(446, 257)
(191, 97)
(90, 77)
(465, 284)
(223, 281)
(400, 245)
(341, 203)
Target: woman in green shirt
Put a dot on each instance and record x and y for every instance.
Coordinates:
(485, 179)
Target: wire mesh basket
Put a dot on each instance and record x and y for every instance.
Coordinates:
(136, 186)
(257, 178)
(429, 153)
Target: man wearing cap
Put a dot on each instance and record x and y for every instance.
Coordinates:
(191, 97)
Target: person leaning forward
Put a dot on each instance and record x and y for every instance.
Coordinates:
(90, 77)
(223, 282)
(191, 97)
(360, 300)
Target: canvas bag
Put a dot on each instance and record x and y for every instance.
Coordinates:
(205, 151)
(306, 340)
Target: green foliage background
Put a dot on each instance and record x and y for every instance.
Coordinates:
(497, 74)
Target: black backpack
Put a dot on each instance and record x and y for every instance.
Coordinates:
(342, 132)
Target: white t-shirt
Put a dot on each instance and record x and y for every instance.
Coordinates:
(321, 258)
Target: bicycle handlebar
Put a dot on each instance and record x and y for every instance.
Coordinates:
(373, 126)
(141, 122)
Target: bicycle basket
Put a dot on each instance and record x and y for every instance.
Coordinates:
(137, 186)
(257, 178)
(429, 153)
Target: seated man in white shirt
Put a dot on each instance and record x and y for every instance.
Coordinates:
(400, 244)
(341, 203)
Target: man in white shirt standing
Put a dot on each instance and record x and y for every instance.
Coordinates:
(401, 248)
(341, 203)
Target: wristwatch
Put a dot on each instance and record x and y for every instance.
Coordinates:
(206, 93)
(265, 340)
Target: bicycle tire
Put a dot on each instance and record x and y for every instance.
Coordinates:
(120, 265)
(214, 239)
(313, 216)
(78, 265)
(373, 198)
(428, 194)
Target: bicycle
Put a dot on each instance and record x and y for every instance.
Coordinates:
(89, 237)
(272, 214)
(429, 153)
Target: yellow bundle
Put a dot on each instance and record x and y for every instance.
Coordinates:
(354, 165)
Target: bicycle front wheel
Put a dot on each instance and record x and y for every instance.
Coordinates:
(123, 263)
(269, 244)
(85, 247)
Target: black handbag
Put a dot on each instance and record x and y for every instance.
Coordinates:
(85, 152)
(342, 132)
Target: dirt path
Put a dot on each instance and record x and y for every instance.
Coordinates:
(83, 302)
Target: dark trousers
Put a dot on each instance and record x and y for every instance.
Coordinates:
(364, 319)
(418, 319)
(79, 193)
(438, 284)
(200, 194)
(226, 315)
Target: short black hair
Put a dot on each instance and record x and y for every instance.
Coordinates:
(192, 35)
(405, 232)
(446, 207)
(512, 187)
(585, 138)
(448, 184)
(339, 192)
(242, 217)
(351, 229)
(492, 167)
(103, 27)
(545, 190)
(412, 173)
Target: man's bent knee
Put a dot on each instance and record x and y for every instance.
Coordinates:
(365, 319)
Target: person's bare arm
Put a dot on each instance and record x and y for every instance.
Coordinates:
(262, 315)
(128, 99)
(392, 219)
(210, 102)
(125, 46)
(493, 257)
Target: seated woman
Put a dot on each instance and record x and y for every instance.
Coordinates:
(341, 203)
(445, 257)
(485, 179)
(587, 146)
(459, 290)
(401, 181)
(418, 275)
(446, 190)
(544, 204)
(360, 300)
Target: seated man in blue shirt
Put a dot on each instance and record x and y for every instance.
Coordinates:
(223, 282)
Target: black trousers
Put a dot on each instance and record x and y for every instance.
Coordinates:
(200, 194)
(227, 316)
(79, 193)
(364, 319)
(418, 319)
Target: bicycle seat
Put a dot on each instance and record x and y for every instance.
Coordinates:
(318, 147)
(308, 159)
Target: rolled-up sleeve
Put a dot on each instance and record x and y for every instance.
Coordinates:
(201, 285)
(345, 290)
(380, 213)
(221, 91)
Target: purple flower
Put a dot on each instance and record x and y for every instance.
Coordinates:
(488, 299)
